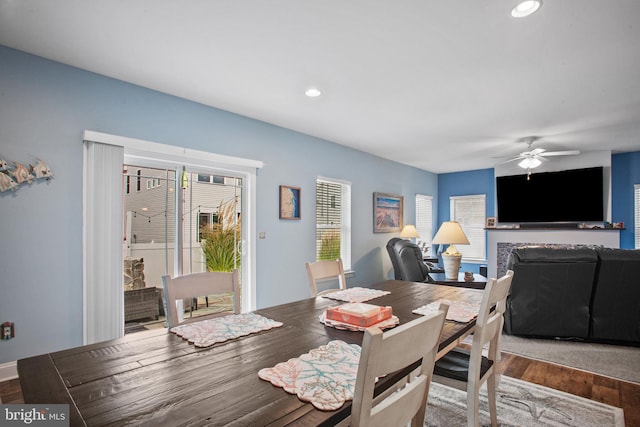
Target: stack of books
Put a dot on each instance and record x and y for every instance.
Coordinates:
(359, 314)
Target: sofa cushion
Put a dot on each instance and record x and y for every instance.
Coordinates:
(551, 292)
(535, 254)
(616, 296)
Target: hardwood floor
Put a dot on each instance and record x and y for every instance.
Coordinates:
(613, 392)
(10, 392)
(591, 386)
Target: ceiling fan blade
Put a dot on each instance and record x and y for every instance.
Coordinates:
(511, 160)
(560, 153)
(537, 151)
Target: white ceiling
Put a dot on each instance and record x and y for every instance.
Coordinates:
(443, 85)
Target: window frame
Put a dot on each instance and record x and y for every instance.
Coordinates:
(345, 218)
(475, 233)
(424, 225)
(636, 203)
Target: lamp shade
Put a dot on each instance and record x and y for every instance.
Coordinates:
(450, 233)
(409, 231)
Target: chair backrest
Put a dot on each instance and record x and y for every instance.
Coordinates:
(384, 353)
(489, 322)
(406, 258)
(197, 285)
(325, 270)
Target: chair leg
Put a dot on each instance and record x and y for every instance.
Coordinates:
(491, 395)
(473, 404)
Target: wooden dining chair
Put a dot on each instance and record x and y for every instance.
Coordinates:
(468, 370)
(384, 353)
(325, 270)
(198, 285)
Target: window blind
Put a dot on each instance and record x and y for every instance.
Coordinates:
(424, 221)
(470, 212)
(333, 220)
(636, 198)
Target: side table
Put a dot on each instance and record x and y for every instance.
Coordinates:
(479, 281)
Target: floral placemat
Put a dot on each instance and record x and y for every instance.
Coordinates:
(211, 331)
(458, 311)
(325, 376)
(356, 294)
(385, 324)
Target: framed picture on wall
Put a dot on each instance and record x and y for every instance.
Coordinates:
(491, 222)
(289, 202)
(387, 213)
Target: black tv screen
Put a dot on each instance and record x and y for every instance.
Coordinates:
(568, 196)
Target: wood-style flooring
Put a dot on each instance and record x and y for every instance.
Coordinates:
(591, 386)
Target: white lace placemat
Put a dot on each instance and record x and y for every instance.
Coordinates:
(458, 311)
(325, 376)
(211, 331)
(356, 294)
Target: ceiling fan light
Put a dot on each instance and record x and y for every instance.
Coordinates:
(526, 8)
(530, 163)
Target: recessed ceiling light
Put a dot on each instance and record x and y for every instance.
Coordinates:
(312, 92)
(526, 8)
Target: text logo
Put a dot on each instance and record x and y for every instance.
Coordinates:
(34, 415)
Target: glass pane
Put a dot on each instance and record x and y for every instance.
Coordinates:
(148, 223)
(211, 233)
(148, 243)
(328, 220)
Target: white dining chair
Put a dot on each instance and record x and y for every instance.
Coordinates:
(198, 285)
(325, 270)
(384, 353)
(468, 370)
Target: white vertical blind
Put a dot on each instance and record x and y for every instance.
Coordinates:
(636, 199)
(103, 308)
(470, 212)
(424, 221)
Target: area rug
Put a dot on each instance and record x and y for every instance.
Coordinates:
(521, 404)
(614, 361)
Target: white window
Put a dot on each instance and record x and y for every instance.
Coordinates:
(333, 220)
(138, 180)
(470, 212)
(424, 222)
(636, 198)
(152, 183)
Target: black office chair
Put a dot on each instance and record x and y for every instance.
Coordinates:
(406, 258)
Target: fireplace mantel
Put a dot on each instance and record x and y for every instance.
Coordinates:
(608, 237)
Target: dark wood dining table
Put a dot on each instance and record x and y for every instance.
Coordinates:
(156, 378)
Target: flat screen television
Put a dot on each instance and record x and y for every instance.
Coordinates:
(570, 196)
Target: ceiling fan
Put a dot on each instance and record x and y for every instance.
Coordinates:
(534, 157)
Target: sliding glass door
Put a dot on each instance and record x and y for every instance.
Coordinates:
(177, 221)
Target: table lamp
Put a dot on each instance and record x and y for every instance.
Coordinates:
(450, 233)
(409, 232)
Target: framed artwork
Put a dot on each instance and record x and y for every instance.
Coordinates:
(289, 202)
(387, 213)
(491, 222)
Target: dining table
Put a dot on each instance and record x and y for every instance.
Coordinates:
(157, 378)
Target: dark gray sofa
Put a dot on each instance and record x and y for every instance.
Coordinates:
(584, 293)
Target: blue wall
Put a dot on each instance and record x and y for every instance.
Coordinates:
(44, 109)
(625, 172)
(463, 184)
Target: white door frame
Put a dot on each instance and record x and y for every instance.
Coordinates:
(153, 154)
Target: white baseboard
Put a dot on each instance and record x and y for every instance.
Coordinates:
(8, 371)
